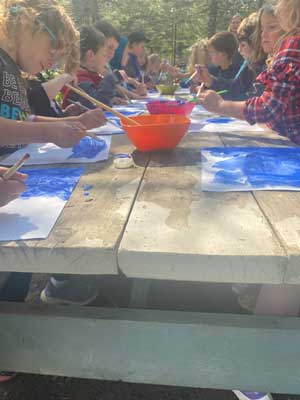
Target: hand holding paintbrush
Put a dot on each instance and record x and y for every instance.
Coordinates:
(12, 183)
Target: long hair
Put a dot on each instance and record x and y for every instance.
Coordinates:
(259, 57)
(40, 16)
(198, 54)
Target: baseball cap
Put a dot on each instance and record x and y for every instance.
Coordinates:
(137, 37)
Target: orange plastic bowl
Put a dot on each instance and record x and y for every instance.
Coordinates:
(156, 132)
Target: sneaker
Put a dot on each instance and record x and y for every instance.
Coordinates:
(68, 292)
(6, 376)
(252, 395)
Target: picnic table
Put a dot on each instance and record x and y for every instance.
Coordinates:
(149, 223)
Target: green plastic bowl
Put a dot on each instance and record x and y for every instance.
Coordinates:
(167, 89)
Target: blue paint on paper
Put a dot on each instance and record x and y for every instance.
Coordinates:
(51, 182)
(88, 148)
(220, 120)
(256, 167)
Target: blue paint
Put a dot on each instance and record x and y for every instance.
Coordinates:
(88, 148)
(220, 120)
(125, 112)
(257, 167)
(87, 187)
(51, 182)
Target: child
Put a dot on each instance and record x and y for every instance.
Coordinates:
(112, 38)
(222, 76)
(136, 49)
(241, 86)
(34, 35)
(198, 56)
(94, 58)
(279, 107)
(134, 89)
(233, 27)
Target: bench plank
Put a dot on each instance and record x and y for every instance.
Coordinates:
(169, 348)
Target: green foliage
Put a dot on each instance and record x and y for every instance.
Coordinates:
(162, 20)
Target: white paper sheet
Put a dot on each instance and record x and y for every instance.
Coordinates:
(108, 129)
(250, 168)
(235, 125)
(33, 215)
(88, 150)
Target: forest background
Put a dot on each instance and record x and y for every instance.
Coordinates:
(171, 25)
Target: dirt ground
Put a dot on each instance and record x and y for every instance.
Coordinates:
(191, 297)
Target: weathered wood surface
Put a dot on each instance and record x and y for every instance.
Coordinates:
(280, 208)
(178, 232)
(170, 348)
(85, 238)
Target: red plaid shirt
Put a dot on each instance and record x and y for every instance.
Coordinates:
(279, 105)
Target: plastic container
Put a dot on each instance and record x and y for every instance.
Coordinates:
(169, 89)
(170, 107)
(156, 132)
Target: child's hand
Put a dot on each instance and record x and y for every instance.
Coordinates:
(12, 188)
(141, 89)
(92, 119)
(203, 76)
(74, 110)
(65, 134)
(210, 100)
(119, 101)
(124, 75)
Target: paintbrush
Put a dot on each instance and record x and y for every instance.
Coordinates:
(198, 69)
(100, 104)
(12, 170)
(194, 100)
(243, 66)
(89, 109)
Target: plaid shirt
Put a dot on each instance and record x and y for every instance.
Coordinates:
(279, 105)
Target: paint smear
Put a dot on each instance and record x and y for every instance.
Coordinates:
(88, 148)
(220, 120)
(236, 169)
(51, 182)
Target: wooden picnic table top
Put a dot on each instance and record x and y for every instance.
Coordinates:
(154, 222)
(86, 236)
(178, 232)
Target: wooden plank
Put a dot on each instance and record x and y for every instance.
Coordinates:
(280, 208)
(178, 232)
(170, 348)
(85, 238)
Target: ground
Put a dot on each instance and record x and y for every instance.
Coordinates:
(191, 297)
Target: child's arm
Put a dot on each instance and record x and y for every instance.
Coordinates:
(213, 102)
(60, 133)
(90, 119)
(12, 188)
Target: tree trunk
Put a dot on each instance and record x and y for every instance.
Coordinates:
(85, 12)
(212, 17)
